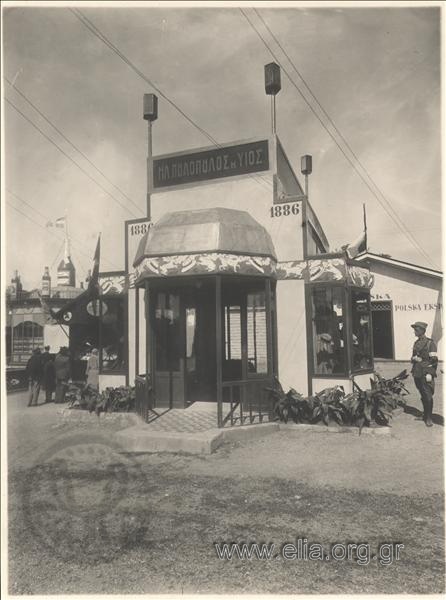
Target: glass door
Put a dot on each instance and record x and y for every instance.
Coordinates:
(168, 333)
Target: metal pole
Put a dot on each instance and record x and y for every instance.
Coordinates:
(273, 114)
(149, 168)
(306, 186)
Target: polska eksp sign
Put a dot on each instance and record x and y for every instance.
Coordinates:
(216, 163)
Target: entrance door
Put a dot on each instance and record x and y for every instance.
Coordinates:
(184, 342)
(382, 329)
(199, 306)
(168, 330)
(184, 347)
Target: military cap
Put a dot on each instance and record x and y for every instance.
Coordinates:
(420, 324)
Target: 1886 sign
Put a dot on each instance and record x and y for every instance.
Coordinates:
(217, 163)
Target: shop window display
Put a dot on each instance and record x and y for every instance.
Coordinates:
(361, 331)
(328, 331)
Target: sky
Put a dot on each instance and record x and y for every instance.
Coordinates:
(375, 70)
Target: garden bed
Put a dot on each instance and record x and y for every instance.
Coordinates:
(110, 401)
(359, 410)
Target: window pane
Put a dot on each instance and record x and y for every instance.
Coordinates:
(191, 332)
(361, 339)
(257, 339)
(232, 366)
(328, 331)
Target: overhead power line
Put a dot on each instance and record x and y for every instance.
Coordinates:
(101, 36)
(70, 142)
(389, 209)
(405, 230)
(31, 122)
(80, 244)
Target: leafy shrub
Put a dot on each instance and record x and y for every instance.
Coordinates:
(120, 399)
(332, 405)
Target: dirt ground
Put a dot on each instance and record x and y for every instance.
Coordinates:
(85, 518)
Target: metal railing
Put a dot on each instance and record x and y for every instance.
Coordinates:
(245, 402)
(143, 397)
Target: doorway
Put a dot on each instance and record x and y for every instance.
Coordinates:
(187, 337)
(382, 327)
(183, 342)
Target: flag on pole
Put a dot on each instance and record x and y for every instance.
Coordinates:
(360, 244)
(59, 223)
(356, 247)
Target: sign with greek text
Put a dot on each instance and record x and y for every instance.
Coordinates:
(217, 163)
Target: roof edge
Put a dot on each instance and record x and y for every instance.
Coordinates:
(399, 263)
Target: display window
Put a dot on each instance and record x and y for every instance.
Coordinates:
(329, 352)
(341, 340)
(257, 334)
(362, 355)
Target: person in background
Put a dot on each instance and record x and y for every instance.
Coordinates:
(62, 369)
(34, 371)
(46, 357)
(424, 369)
(93, 369)
(49, 378)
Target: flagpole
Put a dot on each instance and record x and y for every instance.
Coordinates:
(365, 226)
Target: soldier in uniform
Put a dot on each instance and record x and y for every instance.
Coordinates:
(424, 369)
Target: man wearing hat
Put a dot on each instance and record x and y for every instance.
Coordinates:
(424, 368)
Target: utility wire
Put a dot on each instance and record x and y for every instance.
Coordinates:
(31, 122)
(70, 142)
(405, 229)
(98, 33)
(395, 218)
(45, 228)
(79, 243)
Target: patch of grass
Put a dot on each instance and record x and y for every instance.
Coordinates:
(160, 534)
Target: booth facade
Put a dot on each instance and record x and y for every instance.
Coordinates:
(232, 285)
(402, 294)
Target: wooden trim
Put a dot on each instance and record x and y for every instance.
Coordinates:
(219, 353)
(149, 340)
(269, 333)
(348, 337)
(392, 330)
(136, 333)
(126, 338)
(309, 329)
(370, 256)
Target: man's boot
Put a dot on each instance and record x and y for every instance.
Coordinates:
(428, 421)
